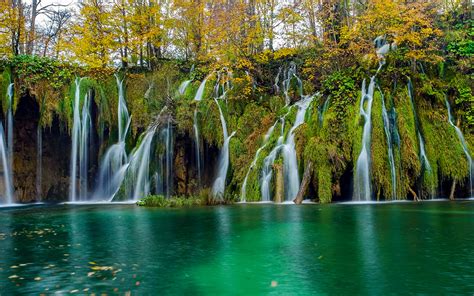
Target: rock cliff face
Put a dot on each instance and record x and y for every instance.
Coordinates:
(56, 149)
(56, 146)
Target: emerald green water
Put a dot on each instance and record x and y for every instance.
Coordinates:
(242, 249)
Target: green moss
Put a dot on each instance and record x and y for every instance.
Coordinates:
(381, 176)
(160, 201)
(408, 153)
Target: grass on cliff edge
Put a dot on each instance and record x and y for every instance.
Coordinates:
(160, 201)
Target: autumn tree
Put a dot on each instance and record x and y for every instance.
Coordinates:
(92, 39)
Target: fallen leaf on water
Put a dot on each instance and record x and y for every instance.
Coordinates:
(102, 268)
(37, 278)
(13, 276)
(274, 284)
(90, 273)
(92, 262)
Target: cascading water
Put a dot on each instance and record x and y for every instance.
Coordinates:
(124, 118)
(254, 161)
(388, 134)
(286, 83)
(323, 109)
(183, 86)
(362, 184)
(276, 88)
(139, 167)
(197, 147)
(292, 179)
(86, 130)
(218, 187)
(76, 131)
(115, 161)
(202, 86)
(10, 127)
(267, 169)
(7, 180)
(463, 145)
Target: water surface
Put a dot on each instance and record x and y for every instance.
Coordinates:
(242, 249)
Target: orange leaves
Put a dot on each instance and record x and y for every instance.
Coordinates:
(409, 25)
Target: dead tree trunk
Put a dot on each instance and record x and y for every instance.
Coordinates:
(304, 184)
(453, 188)
(415, 196)
(280, 183)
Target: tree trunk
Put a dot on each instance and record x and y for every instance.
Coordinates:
(304, 184)
(415, 196)
(453, 188)
(32, 32)
(280, 183)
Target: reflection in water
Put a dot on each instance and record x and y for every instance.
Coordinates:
(249, 249)
(368, 250)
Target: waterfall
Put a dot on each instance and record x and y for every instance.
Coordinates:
(362, 189)
(200, 91)
(39, 161)
(288, 76)
(183, 86)
(111, 172)
(254, 161)
(139, 166)
(123, 115)
(267, 169)
(115, 161)
(86, 131)
(76, 130)
(292, 179)
(362, 182)
(323, 109)
(463, 145)
(277, 81)
(10, 128)
(218, 187)
(198, 147)
(7, 180)
(388, 134)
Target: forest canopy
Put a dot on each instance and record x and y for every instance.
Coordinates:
(101, 33)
